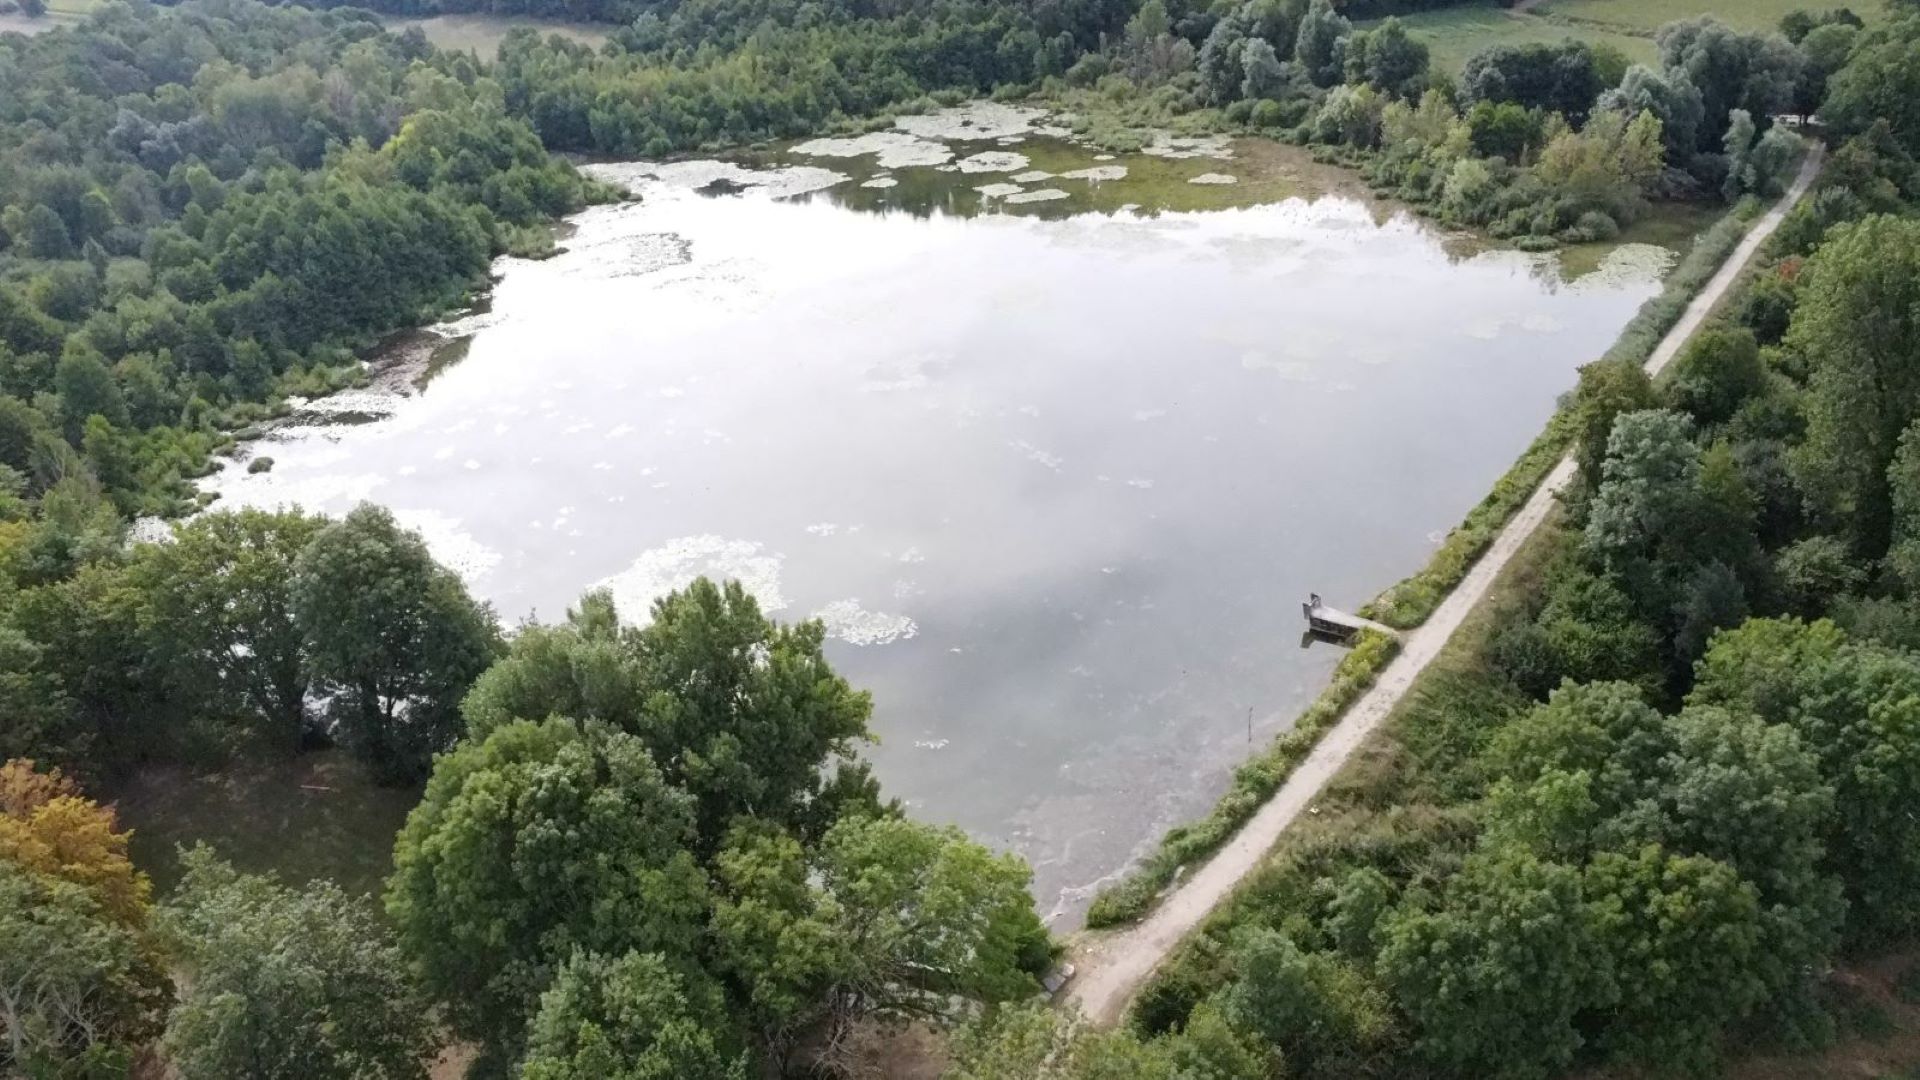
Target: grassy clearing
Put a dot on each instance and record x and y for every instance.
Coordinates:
(314, 816)
(59, 13)
(483, 34)
(1646, 16)
(1455, 34)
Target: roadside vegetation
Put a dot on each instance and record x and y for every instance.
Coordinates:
(1536, 88)
(1685, 751)
(1653, 793)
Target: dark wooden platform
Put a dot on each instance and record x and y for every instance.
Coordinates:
(1337, 625)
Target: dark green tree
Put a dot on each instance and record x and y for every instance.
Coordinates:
(529, 845)
(1317, 45)
(1857, 326)
(220, 612)
(394, 634)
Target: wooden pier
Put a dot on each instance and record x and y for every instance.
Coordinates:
(1336, 625)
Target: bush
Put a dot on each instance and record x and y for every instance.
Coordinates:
(1592, 227)
(1524, 654)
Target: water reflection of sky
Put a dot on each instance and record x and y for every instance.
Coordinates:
(1068, 479)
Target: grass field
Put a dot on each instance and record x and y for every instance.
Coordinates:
(1646, 16)
(314, 816)
(1455, 34)
(482, 34)
(59, 13)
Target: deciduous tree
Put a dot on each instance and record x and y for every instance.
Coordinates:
(532, 843)
(394, 634)
(288, 984)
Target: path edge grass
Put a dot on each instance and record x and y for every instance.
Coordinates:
(1254, 781)
(1408, 603)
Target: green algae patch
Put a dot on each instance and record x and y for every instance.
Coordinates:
(1092, 180)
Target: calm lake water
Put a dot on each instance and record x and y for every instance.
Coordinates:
(1057, 486)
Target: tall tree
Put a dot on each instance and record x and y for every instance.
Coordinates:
(744, 713)
(394, 634)
(1317, 46)
(1857, 326)
(219, 610)
(1879, 83)
(529, 844)
(1671, 99)
(288, 984)
(1753, 72)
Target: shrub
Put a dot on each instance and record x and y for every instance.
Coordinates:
(1592, 226)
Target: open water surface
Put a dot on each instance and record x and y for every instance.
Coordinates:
(1056, 486)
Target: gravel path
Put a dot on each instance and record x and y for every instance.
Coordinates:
(1110, 967)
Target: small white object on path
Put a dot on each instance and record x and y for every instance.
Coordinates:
(1111, 967)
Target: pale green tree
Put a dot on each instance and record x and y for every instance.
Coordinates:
(887, 918)
(288, 984)
(80, 991)
(628, 1018)
(1683, 937)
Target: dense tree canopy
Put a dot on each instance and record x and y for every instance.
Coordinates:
(288, 983)
(82, 981)
(671, 813)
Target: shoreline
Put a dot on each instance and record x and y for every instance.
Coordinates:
(1114, 965)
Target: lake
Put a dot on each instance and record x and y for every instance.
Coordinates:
(1056, 482)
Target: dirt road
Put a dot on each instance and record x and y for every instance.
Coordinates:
(1110, 967)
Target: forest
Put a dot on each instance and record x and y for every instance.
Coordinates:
(1654, 800)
